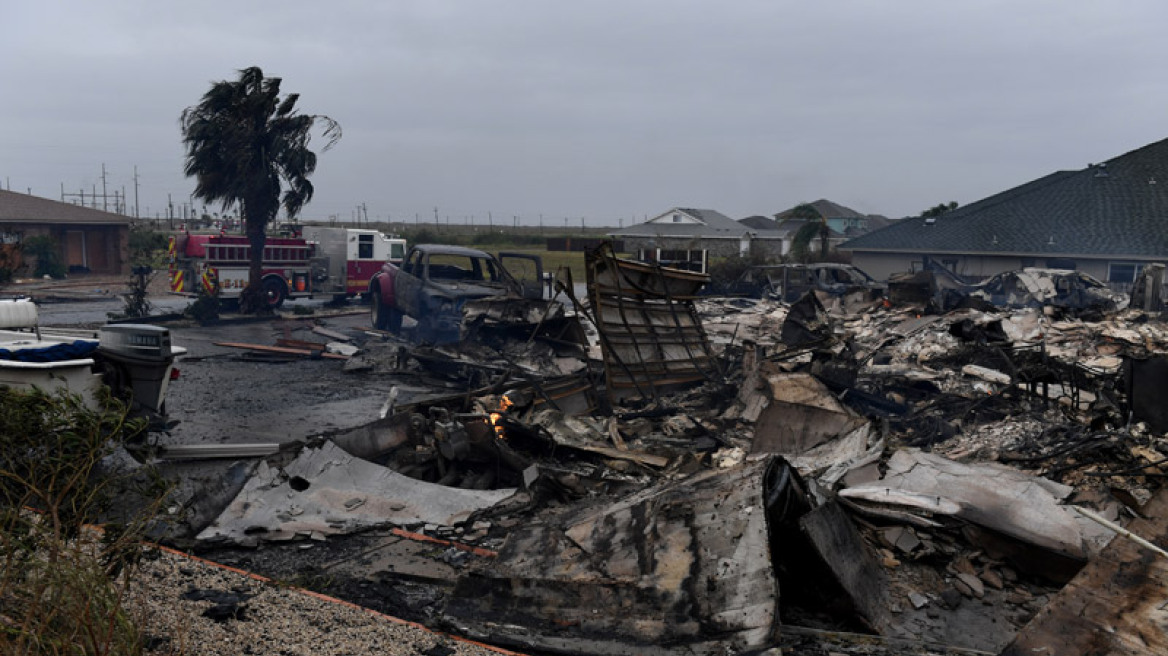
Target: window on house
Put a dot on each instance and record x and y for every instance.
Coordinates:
(677, 218)
(1029, 262)
(950, 264)
(1123, 271)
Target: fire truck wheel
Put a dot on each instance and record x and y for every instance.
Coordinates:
(274, 293)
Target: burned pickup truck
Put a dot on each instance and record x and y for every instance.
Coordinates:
(788, 282)
(434, 284)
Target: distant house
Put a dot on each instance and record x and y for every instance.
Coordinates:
(686, 238)
(1107, 220)
(90, 240)
(843, 221)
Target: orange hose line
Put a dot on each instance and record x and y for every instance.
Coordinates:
(419, 537)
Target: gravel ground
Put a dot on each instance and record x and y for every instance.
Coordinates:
(188, 606)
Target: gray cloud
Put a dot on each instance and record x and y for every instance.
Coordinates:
(606, 110)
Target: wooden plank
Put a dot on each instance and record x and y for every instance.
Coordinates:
(1116, 605)
(331, 334)
(280, 349)
(300, 344)
(634, 456)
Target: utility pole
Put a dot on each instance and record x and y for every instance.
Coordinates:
(490, 222)
(135, 191)
(435, 217)
(104, 207)
(93, 196)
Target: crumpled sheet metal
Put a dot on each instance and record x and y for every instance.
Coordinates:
(684, 567)
(1025, 507)
(343, 494)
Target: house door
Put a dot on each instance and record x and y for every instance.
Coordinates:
(97, 251)
(75, 251)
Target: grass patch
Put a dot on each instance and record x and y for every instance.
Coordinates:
(63, 583)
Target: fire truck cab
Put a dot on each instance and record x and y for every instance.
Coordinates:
(347, 258)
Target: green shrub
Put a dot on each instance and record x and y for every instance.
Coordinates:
(204, 308)
(423, 236)
(47, 252)
(63, 582)
(148, 247)
(726, 270)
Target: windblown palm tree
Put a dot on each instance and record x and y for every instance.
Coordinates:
(815, 225)
(244, 146)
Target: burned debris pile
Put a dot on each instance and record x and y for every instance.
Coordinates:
(650, 470)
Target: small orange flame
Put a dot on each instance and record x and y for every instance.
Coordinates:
(496, 418)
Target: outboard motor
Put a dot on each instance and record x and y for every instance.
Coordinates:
(138, 359)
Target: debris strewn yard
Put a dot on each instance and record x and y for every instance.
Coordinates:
(644, 469)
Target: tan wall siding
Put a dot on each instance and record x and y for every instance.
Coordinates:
(770, 248)
(883, 265)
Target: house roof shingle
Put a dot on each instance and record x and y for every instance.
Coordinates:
(1118, 208)
(24, 208)
(826, 209)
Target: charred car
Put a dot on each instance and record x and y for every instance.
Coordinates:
(788, 282)
(435, 283)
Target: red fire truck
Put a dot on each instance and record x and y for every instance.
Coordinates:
(333, 261)
(219, 265)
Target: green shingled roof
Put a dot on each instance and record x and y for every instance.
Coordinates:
(1119, 207)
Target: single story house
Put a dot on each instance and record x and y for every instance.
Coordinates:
(1107, 220)
(89, 240)
(686, 238)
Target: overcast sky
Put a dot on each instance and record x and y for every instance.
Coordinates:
(605, 110)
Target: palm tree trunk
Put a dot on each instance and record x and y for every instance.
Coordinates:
(252, 298)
